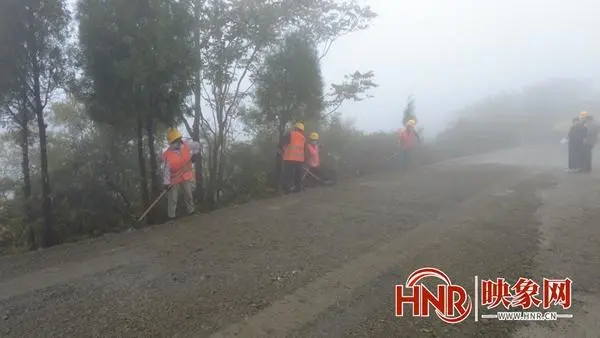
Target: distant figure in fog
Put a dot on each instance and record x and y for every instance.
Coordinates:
(570, 144)
(406, 142)
(591, 138)
(576, 144)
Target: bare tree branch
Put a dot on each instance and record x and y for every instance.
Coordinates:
(187, 126)
(241, 78)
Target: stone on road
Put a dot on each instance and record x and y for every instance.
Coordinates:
(325, 262)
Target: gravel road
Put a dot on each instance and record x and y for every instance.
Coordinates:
(324, 263)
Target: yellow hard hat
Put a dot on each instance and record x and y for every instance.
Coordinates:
(300, 126)
(173, 134)
(583, 114)
(411, 122)
(314, 136)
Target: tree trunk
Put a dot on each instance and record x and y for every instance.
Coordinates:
(142, 163)
(221, 161)
(24, 144)
(150, 129)
(278, 170)
(199, 193)
(154, 184)
(196, 137)
(199, 177)
(213, 190)
(49, 233)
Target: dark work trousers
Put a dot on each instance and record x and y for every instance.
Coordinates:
(293, 175)
(586, 157)
(576, 155)
(577, 136)
(404, 159)
(572, 164)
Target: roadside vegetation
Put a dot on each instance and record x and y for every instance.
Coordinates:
(87, 93)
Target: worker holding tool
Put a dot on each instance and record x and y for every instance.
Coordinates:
(292, 147)
(318, 173)
(406, 142)
(178, 172)
(313, 160)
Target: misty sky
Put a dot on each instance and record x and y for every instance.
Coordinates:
(451, 53)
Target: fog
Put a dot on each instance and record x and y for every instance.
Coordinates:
(451, 54)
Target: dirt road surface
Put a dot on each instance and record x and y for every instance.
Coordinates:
(324, 263)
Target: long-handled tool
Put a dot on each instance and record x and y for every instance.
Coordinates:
(308, 172)
(162, 194)
(391, 157)
(154, 203)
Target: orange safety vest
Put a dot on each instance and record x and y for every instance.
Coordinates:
(295, 150)
(314, 161)
(406, 138)
(180, 164)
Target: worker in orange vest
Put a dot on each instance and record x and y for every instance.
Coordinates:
(314, 159)
(406, 142)
(178, 171)
(292, 146)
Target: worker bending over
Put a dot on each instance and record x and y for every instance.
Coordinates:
(317, 173)
(313, 160)
(406, 143)
(292, 146)
(178, 171)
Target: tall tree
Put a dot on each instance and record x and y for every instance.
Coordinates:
(138, 58)
(354, 88)
(409, 111)
(327, 21)
(200, 41)
(236, 35)
(17, 116)
(41, 30)
(15, 111)
(290, 86)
